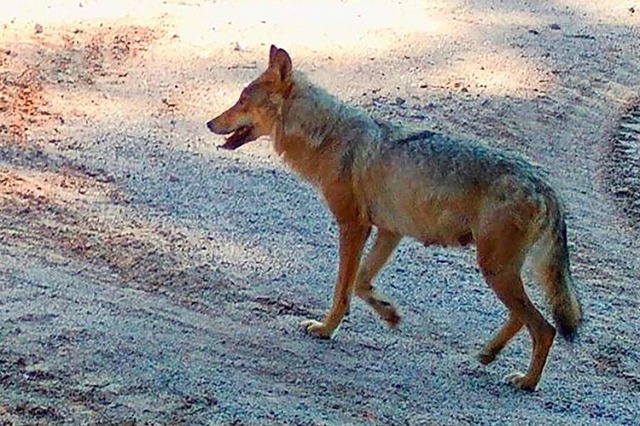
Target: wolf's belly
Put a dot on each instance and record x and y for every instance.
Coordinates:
(430, 221)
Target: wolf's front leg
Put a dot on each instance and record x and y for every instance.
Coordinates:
(386, 243)
(352, 240)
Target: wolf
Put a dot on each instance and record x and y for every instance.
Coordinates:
(416, 183)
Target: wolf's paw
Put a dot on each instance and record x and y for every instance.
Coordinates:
(317, 329)
(392, 318)
(486, 356)
(521, 381)
(386, 310)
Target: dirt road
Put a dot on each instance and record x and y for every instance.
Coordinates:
(147, 278)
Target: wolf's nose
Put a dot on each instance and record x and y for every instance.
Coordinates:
(211, 126)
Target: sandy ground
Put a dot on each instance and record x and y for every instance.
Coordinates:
(147, 278)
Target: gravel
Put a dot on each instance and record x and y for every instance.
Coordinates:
(148, 278)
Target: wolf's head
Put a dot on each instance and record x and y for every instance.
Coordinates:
(255, 112)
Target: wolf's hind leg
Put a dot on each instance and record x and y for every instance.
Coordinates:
(511, 292)
(386, 242)
(502, 247)
(493, 347)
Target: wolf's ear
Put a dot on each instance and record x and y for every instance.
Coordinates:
(272, 53)
(280, 63)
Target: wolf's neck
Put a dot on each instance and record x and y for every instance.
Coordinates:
(315, 116)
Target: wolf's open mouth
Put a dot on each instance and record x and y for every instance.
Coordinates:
(238, 138)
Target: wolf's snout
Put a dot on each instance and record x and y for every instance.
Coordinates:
(211, 125)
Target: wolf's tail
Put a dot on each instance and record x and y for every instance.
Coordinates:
(551, 264)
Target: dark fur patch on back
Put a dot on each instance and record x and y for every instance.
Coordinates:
(427, 134)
